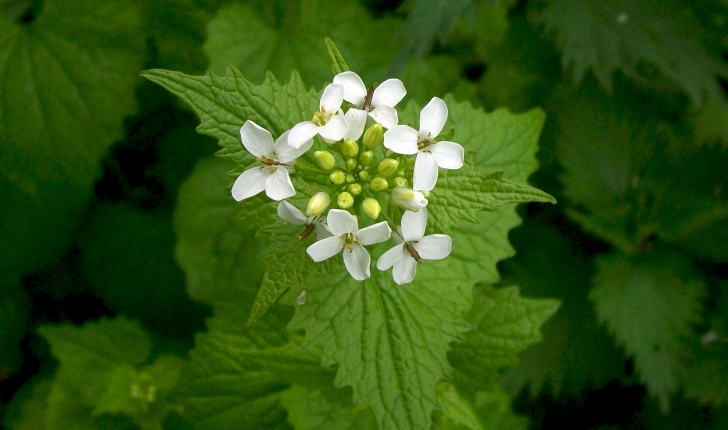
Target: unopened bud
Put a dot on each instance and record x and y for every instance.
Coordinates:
(324, 159)
(337, 177)
(318, 204)
(411, 163)
(379, 184)
(371, 207)
(387, 166)
(400, 182)
(364, 176)
(350, 148)
(350, 164)
(354, 189)
(408, 198)
(425, 193)
(345, 200)
(366, 158)
(350, 179)
(373, 136)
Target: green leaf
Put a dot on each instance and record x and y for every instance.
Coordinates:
(455, 410)
(502, 325)
(292, 39)
(461, 194)
(573, 340)
(224, 103)
(649, 305)
(67, 80)
(338, 64)
(310, 409)
(14, 313)
(388, 341)
(636, 38)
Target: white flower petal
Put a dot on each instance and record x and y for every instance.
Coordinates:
(449, 155)
(250, 183)
(414, 224)
(278, 186)
(425, 174)
(391, 257)
(325, 248)
(290, 213)
(404, 270)
(385, 115)
(331, 98)
(354, 89)
(341, 222)
(302, 133)
(356, 119)
(376, 233)
(434, 246)
(432, 119)
(388, 93)
(287, 153)
(401, 139)
(321, 231)
(335, 128)
(357, 262)
(257, 140)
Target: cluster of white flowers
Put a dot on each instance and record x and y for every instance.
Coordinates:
(355, 173)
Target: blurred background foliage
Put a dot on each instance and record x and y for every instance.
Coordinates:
(634, 148)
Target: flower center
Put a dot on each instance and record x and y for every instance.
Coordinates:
(350, 240)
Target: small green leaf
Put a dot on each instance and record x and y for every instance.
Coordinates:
(455, 410)
(461, 194)
(649, 305)
(310, 409)
(338, 64)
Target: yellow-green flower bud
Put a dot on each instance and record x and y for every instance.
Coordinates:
(337, 177)
(408, 198)
(387, 166)
(350, 163)
(350, 148)
(355, 189)
(400, 182)
(366, 158)
(425, 193)
(345, 200)
(379, 184)
(318, 204)
(350, 179)
(373, 136)
(324, 159)
(411, 163)
(364, 176)
(371, 207)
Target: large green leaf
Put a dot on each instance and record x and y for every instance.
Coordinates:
(66, 81)
(310, 409)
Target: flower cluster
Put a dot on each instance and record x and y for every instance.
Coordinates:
(365, 167)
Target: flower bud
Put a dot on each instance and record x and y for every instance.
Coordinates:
(366, 158)
(318, 204)
(387, 167)
(372, 208)
(337, 177)
(350, 148)
(400, 182)
(324, 159)
(373, 136)
(409, 199)
(350, 164)
(345, 200)
(354, 189)
(379, 184)
(364, 176)
(350, 179)
(411, 163)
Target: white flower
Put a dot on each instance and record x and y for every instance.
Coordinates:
(290, 213)
(348, 238)
(412, 248)
(325, 122)
(405, 140)
(379, 106)
(278, 161)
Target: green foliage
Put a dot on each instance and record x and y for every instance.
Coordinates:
(14, 307)
(638, 39)
(649, 305)
(311, 409)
